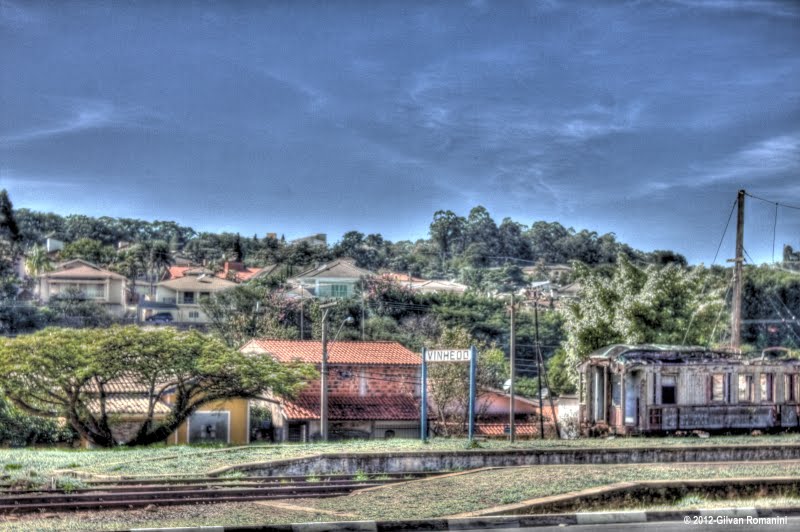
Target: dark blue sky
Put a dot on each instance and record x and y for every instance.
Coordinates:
(641, 118)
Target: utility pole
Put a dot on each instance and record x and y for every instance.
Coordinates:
(323, 385)
(538, 364)
(512, 358)
(736, 314)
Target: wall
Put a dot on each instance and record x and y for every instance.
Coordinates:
(438, 461)
(239, 426)
(369, 380)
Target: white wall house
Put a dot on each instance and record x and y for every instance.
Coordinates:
(89, 280)
(181, 297)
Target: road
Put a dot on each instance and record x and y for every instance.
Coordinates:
(671, 526)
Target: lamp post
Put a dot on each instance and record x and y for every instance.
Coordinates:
(323, 385)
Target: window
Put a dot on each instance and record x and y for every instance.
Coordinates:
(746, 389)
(193, 314)
(338, 290)
(668, 396)
(790, 387)
(204, 296)
(717, 387)
(188, 298)
(767, 388)
(209, 427)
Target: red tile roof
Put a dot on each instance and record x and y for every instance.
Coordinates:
(351, 408)
(242, 273)
(498, 429)
(339, 352)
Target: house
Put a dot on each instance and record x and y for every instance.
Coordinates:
(439, 286)
(127, 402)
(425, 286)
(319, 240)
(181, 297)
(87, 280)
(337, 279)
(374, 390)
(629, 389)
(231, 270)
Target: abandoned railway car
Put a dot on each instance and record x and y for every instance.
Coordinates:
(636, 389)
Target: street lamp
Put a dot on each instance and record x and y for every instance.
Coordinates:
(323, 402)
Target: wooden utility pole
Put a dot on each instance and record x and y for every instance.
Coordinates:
(323, 384)
(736, 314)
(512, 360)
(539, 365)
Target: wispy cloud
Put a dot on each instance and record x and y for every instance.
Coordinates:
(757, 160)
(83, 115)
(12, 14)
(775, 8)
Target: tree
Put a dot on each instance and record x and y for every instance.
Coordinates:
(634, 306)
(251, 310)
(37, 262)
(447, 231)
(449, 382)
(89, 250)
(69, 373)
(71, 309)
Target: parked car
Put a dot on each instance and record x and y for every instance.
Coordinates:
(160, 318)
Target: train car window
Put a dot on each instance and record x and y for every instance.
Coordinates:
(746, 389)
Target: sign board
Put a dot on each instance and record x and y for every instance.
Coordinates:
(448, 355)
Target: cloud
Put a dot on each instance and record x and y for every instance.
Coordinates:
(761, 7)
(83, 115)
(13, 14)
(761, 159)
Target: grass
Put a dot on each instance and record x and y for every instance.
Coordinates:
(473, 491)
(427, 499)
(190, 460)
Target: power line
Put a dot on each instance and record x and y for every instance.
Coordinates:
(773, 202)
(705, 282)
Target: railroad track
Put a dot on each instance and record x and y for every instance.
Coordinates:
(135, 493)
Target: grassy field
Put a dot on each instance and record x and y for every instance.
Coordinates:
(427, 499)
(189, 460)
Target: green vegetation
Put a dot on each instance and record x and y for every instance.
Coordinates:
(193, 460)
(641, 305)
(429, 499)
(473, 491)
(59, 373)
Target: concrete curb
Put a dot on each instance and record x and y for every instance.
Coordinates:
(488, 523)
(525, 507)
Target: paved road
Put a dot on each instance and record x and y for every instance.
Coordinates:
(793, 524)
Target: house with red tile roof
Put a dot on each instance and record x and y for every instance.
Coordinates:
(231, 271)
(374, 390)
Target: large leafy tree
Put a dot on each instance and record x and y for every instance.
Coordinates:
(90, 250)
(641, 305)
(69, 373)
(251, 310)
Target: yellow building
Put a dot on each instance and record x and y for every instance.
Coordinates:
(226, 421)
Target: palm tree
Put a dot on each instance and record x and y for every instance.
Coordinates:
(37, 262)
(158, 258)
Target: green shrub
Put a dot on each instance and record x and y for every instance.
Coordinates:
(18, 429)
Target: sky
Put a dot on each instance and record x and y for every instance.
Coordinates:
(638, 118)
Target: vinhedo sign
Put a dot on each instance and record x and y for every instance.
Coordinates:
(448, 355)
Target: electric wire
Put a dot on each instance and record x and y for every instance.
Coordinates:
(705, 281)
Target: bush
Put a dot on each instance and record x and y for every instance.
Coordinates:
(18, 429)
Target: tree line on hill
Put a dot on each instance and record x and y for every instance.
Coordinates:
(627, 296)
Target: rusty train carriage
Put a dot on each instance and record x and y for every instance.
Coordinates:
(628, 389)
